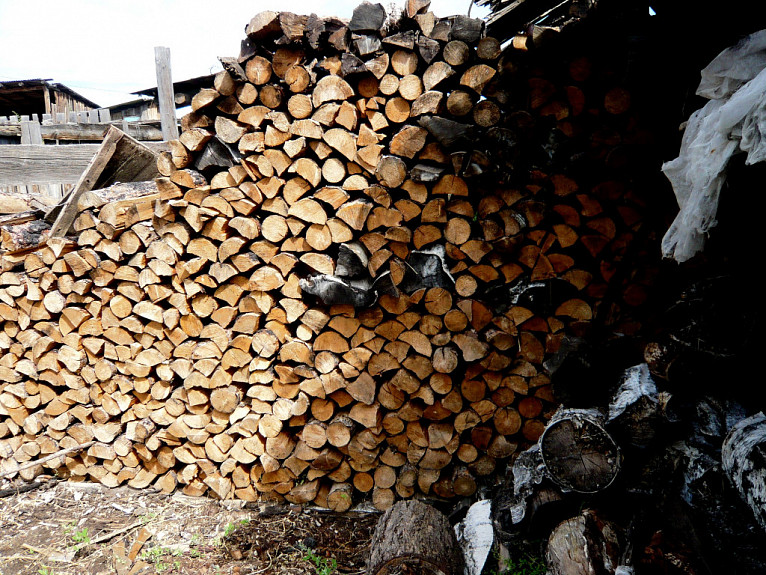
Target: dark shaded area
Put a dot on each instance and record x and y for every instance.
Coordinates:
(279, 533)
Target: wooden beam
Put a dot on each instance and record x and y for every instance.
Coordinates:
(47, 97)
(165, 94)
(87, 132)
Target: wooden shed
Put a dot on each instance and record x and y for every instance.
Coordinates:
(40, 96)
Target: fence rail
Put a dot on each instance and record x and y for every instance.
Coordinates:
(47, 170)
(81, 126)
(97, 116)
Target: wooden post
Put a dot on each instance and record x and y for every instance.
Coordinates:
(47, 99)
(30, 132)
(165, 94)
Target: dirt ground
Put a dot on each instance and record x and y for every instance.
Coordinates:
(61, 528)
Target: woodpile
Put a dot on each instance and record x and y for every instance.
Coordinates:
(361, 250)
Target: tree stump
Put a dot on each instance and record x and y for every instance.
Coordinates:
(412, 537)
(578, 453)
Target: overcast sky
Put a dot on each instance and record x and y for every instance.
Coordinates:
(104, 49)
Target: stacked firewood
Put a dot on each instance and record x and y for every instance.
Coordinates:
(362, 249)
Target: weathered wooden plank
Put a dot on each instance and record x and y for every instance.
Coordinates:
(32, 165)
(80, 132)
(30, 133)
(165, 93)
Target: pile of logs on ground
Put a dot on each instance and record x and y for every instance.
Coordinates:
(364, 246)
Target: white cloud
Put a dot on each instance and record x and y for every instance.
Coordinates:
(105, 49)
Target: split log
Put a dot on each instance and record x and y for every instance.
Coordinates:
(636, 410)
(585, 544)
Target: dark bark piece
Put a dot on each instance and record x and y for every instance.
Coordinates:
(466, 29)
(352, 261)
(339, 39)
(430, 269)
(247, 49)
(578, 452)
(414, 537)
(528, 473)
(217, 154)
(367, 17)
(366, 44)
(293, 26)
(315, 28)
(350, 64)
(402, 39)
(334, 291)
(446, 132)
(233, 67)
(635, 412)
(428, 48)
(426, 173)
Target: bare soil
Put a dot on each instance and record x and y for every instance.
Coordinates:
(64, 528)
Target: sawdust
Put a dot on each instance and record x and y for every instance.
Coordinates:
(64, 528)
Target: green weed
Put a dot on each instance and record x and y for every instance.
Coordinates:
(521, 563)
(81, 536)
(322, 565)
(232, 527)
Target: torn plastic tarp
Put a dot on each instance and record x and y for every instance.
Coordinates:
(734, 120)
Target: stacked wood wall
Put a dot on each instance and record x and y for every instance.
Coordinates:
(174, 336)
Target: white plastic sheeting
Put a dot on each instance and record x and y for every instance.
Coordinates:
(734, 120)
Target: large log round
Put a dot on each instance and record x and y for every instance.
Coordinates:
(412, 537)
(578, 453)
(584, 545)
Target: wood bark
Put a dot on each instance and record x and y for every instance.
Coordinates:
(413, 535)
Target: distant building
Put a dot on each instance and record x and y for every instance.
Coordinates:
(140, 110)
(40, 96)
(146, 108)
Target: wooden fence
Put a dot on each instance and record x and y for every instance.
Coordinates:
(52, 170)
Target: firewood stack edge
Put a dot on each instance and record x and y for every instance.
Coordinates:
(363, 248)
